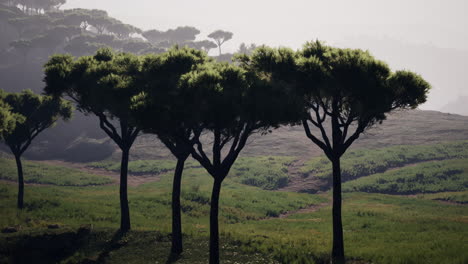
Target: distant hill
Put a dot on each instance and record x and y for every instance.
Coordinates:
(414, 127)
(458, 106)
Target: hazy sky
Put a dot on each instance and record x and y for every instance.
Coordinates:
(432, 23)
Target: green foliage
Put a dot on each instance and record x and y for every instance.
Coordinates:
(8, 120)
(362, 162)
(430, 177)
(49, 174)
(39, 112)
(100, 84)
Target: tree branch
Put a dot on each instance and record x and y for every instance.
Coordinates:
(314, 139)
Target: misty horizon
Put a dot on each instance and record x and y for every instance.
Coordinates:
(435, 26)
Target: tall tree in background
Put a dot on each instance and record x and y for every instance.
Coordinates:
(205, 45)
(123, 31)
(167, 110)
(35, 113)
(348, 89)
(179, 35)
(220, 36)
(101, 85)
(233, 104)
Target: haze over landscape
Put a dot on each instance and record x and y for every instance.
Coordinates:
(214, 131)
(428, 37)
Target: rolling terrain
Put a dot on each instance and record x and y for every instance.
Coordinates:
(405, 201)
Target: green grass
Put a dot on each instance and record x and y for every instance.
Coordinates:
(138, 166)
(429, 177)
(362, 162)
(97, 245)
(453, 197)
(378, 228)
(49, 174)
(267, 172)
(99, 204)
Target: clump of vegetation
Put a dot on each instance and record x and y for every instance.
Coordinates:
(50, 174)
(430, 177)
(453, 197)
(268, 172)
(362, 162)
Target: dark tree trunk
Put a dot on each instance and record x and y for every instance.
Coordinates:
(338, 244)
(177, 248)
(20, 182)
(214, 230)
(124, 209)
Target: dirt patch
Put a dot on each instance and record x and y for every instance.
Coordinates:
(298, 182)
(133, 179)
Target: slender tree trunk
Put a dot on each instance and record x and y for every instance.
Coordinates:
(338, 244)
(214, 230)
(124, 209)
(219, 47)
(177, 248)
(20, 182)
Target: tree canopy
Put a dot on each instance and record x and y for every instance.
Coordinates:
(343, 93)
(166, 109)
(33, 114)
(220, 36)
(102, 85)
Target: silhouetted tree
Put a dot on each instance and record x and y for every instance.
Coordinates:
(205, 45)
(179, 35)
(246, 49)
(101, 85)
(165, 109)
(220, 36)
(154, 36)
(37, 113)
(23, 47)
(102, 23)
(233, 103)
(123, 31)
(348, 89)
(136, 47)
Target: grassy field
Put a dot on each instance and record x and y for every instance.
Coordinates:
(138, 166)
(257, 225)
(362, 162)
(49, 174)
(429, 177)
(378, 228)
(267, 172)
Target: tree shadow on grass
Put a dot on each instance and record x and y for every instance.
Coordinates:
(173, 257)
(114, 244)
(45, 248)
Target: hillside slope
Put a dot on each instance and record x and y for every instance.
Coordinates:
(415, 127)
